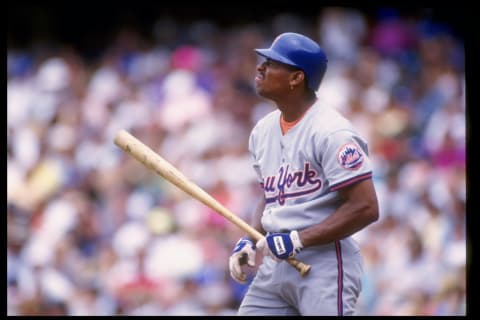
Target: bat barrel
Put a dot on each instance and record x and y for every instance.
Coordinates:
(162, 167)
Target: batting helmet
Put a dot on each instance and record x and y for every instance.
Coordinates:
(299, 51)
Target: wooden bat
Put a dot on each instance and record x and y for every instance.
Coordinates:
(162, 167)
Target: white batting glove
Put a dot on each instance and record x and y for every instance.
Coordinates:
(243, 253)
(280, 246)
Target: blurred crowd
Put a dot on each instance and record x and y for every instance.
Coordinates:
(91, 231)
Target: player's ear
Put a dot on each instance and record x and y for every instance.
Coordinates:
(297, 77)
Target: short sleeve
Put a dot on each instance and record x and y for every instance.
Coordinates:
(253, 156)
(344, 158)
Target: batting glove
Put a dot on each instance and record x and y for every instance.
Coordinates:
(243, 253)
(280, 246)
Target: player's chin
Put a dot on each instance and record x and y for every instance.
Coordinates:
(262, 93)
(259, 88)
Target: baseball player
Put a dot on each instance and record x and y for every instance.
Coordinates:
(316, 178)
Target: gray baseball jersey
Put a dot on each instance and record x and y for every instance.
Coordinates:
(300, 173)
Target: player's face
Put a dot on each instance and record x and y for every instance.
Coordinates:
(273, 78)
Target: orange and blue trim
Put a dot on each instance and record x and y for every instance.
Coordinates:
(338, 249)
(350, 181)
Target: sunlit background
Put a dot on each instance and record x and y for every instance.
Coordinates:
(93, 232)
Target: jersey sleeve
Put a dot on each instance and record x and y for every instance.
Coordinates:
(344, 158)
(253, 157)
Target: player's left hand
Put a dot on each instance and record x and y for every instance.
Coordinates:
(280, 246)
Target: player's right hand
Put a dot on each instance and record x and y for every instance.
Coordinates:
(243, 253)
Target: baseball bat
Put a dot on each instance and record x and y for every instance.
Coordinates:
(162, 167)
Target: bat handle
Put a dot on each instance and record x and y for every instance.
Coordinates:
(301, 267)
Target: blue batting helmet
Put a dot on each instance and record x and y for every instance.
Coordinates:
(299, 51)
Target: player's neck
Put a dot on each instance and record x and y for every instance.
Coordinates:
(293, 112)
